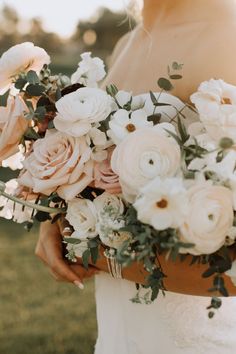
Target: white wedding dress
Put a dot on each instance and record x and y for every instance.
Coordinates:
(173, 324)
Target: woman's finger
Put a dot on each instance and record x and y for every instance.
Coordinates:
(50, 250)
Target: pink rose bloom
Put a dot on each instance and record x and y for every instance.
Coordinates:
(58, 163)
(104, 177)
(13, 124)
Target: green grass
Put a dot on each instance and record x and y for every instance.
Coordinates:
(37, 314)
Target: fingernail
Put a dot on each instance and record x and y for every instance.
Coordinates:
(79, 284)
(67, 230)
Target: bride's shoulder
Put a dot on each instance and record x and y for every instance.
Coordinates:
(223, 52)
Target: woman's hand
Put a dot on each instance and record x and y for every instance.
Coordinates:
(50, 250)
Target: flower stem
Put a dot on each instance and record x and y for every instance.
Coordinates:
(33, 205)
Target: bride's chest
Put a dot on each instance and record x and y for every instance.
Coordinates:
(146, 57)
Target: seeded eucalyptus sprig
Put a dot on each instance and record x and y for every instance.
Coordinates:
(28, 204)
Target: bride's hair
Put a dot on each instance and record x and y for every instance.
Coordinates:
(133, 9)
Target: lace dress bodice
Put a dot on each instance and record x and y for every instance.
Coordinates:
(173, 324)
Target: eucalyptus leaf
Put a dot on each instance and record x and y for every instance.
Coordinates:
(165, 84)
(20, 83)
(32, 77)
(4, 98)
(35, 90)
(85, 258)
(176, 77)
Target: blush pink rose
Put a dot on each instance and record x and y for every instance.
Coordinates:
(104, 177)
(13, 124)
(58, 163)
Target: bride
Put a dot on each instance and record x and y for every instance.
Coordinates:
(201, 35)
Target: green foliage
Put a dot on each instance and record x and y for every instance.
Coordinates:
(35, 90)
(165, 84)
(32, 77)
(4, 98)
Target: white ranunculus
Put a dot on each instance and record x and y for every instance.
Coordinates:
(225, 171)
(14, 162)
(78, 110)
(20, 58)
(123, 97)
(81, 214)
(163, 203)
(216, 102)
(209, 219)
(15, 211)
(90, 71)
(123, 123)
(143, 156)
(110, 209)
(58, 162)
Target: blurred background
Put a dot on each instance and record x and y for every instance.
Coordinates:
(37, 314)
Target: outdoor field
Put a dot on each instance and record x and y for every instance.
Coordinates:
(37, 314)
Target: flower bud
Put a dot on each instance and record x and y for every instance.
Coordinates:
(226, 143)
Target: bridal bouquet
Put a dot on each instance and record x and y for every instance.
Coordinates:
(139, 175)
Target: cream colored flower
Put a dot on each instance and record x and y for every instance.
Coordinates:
(216, 103)
(123, 123)
(143, 156)
(78, 110)
(20, 58)
(209, 219)
(90, 71)
(81, 214)
(13, 124)
(110, 220)
(162, 203)
(58, 163)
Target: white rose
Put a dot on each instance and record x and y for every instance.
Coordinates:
(141, 157)
(216, 103)
(90, 71)
(81, 214)
(123, 97)
(110, 209)
(209, 218)
(21, 58)
(59, 163)
(163, 203)
(123, 123)
(78, 110)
